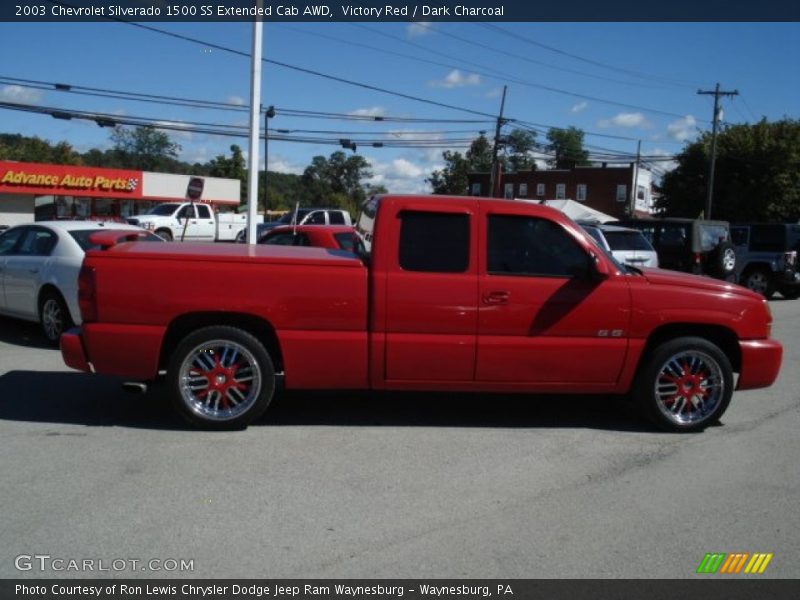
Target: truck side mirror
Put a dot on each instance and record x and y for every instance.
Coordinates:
(598, 268)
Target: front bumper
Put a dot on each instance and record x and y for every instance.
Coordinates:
(73, 352)
(761, 362)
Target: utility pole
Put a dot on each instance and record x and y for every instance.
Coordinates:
(268, 114)
(710, 188)
(632, 207)
(255, 106)
(493, 176)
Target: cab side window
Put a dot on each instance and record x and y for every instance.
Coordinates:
(9, 239)
(434, 242)
(534, 247)
(37, 242)
(203, 211)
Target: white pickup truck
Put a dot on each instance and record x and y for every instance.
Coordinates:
(199, 221)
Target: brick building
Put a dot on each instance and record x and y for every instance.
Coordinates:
(609, 189)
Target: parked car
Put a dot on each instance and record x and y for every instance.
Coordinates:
(39, 265)
(304, 216)
(459, 294)
(766, 255)
(196, 222)
(337, 237)
(690, 245)
(628, 246)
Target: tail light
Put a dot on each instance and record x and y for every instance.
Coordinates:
(698, 258)
(790, 258)
(87, 294)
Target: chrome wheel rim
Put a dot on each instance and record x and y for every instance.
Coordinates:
(757, 282)
(219, 380)
(52, 319)
(689, 387)
(729, 259)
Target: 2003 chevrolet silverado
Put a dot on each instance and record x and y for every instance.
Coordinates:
(456, 294)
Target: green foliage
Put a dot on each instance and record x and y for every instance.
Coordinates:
(144, 148)
(34, 149)
(520, 144)
(567, 146)
(336, 181)
(452, 178)
(757, 174)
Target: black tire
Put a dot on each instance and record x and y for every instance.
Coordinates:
(164, 234)
(722, 262)
(790, 292)
(54, 316)
(673, 375)
(202, 378)
(759, 280)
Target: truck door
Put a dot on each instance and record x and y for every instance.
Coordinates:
(543, 319)
(431, 293)
(206, 226)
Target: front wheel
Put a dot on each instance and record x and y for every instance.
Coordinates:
(684, 384)
(164, 234)
(54, 316)
(221, 377)
(791, 292)
(760, 281)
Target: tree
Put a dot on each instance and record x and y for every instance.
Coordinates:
(144, 148)
(337, 180)
(231, 168)
(567, 147)
(520, 144)
(453, 177)
(757, 174)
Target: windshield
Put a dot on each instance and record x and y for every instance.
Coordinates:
(627, 240)
(163, 210)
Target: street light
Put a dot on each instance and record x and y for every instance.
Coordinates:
(268, 114)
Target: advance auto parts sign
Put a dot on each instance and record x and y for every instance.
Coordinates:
(62, 180)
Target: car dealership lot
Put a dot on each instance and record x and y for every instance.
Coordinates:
(354, 485)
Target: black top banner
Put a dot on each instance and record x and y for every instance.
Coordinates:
(398, 10)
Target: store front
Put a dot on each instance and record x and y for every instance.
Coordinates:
(38, 192)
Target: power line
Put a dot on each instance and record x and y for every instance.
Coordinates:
(590, 61)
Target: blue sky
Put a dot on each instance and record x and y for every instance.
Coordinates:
(657, 69)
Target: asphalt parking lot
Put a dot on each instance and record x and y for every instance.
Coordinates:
(337, 485)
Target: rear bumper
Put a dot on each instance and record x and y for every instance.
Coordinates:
(72, 350)
(761, 362)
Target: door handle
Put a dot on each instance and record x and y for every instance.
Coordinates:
(496, 298)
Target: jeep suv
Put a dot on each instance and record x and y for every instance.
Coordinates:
(767, 258)
(690, 245)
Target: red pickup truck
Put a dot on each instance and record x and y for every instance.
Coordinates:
(456, 294)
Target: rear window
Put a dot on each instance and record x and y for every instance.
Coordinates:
(434, 242)
(627, 240)
(82, 237)
(336, 217)
(711, 236)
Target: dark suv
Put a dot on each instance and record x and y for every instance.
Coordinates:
(767, 257)
(690, 245)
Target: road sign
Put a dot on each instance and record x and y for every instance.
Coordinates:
(195, 188)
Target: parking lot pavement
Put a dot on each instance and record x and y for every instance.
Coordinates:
(419, 485)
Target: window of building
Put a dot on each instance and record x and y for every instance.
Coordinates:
(530, 246)
(641, 192)
(508, 190)
(561, 191)
(580, 196)
(523, 190)
(434, 242)
(540, 189)
(622, 193)
(476, 189)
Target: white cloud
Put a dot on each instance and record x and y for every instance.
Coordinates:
(494, 92)
(419, 28)
(663, 165)
(237, 100)
(456, 78)
(400, 176)
(372, 111)
(579, 107)
(280, 164)
(682, 129)
(628, 120)
(19, 94)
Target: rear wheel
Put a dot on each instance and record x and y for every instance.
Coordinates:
(759, 280)
(53, 316)
(684, 384)
(221, 377)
